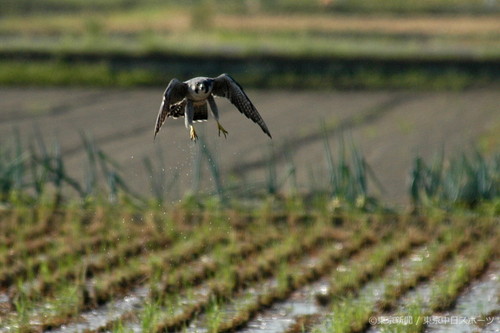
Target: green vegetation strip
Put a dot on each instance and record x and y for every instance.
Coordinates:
(327, 73)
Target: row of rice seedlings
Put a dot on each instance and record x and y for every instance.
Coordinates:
(439, 251)
(463, 181)
(65, 247)
(446, 288)
(158, 261)
(44, 284)
(445, 291)
(16, 246)
(466, 181)
(290, 277)
(217, 267)
(25, 264)
(222, 257)
(57, 271)
(105, 286)
(108, 244)
(30, 226)
(71, 223)
(351, 313)
(235, 277)
(349, 277)
(29, 315)
(181, 253)
(240, 279)
(224, 264)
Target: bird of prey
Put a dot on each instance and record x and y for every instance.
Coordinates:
(189, 99)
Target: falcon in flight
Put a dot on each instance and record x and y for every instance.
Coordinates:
(189, 99)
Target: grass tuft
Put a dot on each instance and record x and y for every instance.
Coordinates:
(464, 181)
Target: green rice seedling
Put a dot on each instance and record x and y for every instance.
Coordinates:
(38, 175)
(283, 278)
(43, 170)
(22, 306)
(150, 315)
(18, 175)
(119, 327)
(214, 315)
(349, 314)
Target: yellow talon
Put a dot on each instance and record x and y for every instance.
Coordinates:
(192, 133)
(221, 129)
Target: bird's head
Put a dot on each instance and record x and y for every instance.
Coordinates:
(204, 86)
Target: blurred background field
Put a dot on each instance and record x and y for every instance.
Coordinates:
(299, 44)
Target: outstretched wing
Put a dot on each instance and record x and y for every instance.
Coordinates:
(175, 92)
(177, 109)
(226, 86)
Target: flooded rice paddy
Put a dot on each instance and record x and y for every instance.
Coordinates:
(209, 273)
